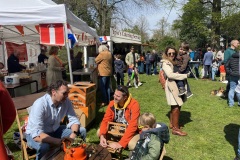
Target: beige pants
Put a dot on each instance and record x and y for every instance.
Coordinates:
(132, 143)
(222, 76)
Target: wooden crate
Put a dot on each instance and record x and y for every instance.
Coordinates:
(82, 88)
(82, 94)
(86, 114)
(79, 100)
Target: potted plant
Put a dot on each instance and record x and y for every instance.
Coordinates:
(74, 150)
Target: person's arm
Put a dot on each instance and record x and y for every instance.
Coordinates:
(52, 64)
(7, 107)
(127, 59)
(132, 124)
(186, 59)
(227, 67)
(99, 58)
(103, 127)
(36, 122)
(154, 148)
(170, 74)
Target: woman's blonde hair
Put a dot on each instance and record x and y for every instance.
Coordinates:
(53, 50)
(147, 119)
(102, 48)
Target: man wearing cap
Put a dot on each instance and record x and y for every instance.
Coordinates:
(123, 109)
(42, 56)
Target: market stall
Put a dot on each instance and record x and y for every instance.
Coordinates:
(22, 20)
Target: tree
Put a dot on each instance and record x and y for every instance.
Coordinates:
(104, 14)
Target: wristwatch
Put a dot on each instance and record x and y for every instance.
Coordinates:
(76, 133)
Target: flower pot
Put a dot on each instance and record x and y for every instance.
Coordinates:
(74, 153)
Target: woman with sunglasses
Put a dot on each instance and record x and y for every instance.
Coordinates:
(171, 89)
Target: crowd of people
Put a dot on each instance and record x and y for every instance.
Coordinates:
(144, 137)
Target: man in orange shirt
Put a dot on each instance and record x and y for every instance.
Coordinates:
(123, 109)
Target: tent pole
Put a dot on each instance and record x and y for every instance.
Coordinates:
(85, 56)
(68, 53)
(3, 48)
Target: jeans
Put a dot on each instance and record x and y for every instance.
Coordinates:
(105, 88)
(120, 78)
(148, 69)
(196, 70)
(238, 151)
(214, 71)
(61, 132)
(233, 82)
(206, 71)
(155, 68)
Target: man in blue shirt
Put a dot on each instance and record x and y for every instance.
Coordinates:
(44, 129)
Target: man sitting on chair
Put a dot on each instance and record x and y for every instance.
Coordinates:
(44, 129)
(123, 109)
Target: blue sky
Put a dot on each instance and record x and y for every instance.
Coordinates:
(153, 18)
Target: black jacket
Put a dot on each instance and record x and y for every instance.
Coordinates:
(13, 64)
(232, 65)
(41, 58)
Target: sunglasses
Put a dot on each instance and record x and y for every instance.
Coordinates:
(140, 127)
(122, 89)
(171, 53)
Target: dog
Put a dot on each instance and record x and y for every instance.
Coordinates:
(220, 92)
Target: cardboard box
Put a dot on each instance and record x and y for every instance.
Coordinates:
(79, 100)
(86, 114)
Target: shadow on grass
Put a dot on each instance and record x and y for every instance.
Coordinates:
(185, 117)
(231, 135)
(167, 158)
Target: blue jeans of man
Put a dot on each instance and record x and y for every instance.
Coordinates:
(155, 68)
(148, 69)
(61, 132)
(105, 88)
(214, 71)
(233, 82)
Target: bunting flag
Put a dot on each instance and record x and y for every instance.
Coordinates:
(52, 34)
(20, 29)
(37, 28)
(72, 38)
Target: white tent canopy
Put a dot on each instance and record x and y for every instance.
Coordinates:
(30, 13)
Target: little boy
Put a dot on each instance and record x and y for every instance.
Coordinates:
(222, 72)
(119, 69)
(152, 138)
(182, 67)
(132, 75)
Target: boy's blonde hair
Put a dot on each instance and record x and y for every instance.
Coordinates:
(147, 119)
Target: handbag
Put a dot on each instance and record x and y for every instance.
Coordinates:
(8, 151)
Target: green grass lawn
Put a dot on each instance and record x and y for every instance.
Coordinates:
(212, 127)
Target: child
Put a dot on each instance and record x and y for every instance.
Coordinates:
(181, 66)
(152, 138)
(132, 75)
(214, 68)
(119, 69)
(222, 72)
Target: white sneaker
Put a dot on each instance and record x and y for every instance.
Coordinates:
(136, 86)
(129, 84)
(139, 84)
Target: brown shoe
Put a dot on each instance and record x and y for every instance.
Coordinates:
(176, 131)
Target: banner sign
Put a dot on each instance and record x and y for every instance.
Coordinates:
(21, 48)
(124, 35)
